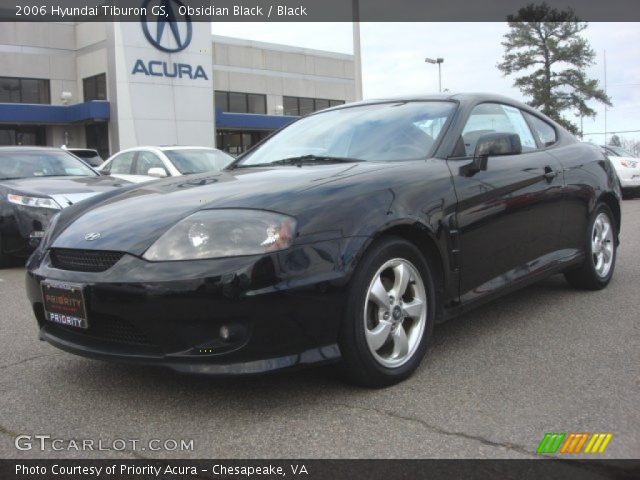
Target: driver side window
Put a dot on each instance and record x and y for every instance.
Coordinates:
(494, 118)
(121, 164)
(147, 160)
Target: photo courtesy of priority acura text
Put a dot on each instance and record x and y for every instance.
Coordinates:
(319, 238)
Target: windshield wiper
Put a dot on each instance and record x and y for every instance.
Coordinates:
(307, 159)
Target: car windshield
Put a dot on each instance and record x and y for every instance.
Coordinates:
(376, 132)
(198, 161)
(621, 152)
(33, 163)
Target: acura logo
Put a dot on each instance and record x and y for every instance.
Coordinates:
(90, 237)
(170, 31)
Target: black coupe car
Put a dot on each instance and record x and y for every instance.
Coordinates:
(35, 184)
(344, 237)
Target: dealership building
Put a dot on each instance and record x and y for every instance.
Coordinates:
(111, 86)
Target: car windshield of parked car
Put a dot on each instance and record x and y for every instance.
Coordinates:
(376, 132)
(198, 161)
(41, 164)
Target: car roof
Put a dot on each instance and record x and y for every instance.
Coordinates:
(472, 97)
(29, 148)
(80, 149)
(163, 148)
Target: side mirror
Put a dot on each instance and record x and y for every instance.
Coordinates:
(492, 145)
(157, 172)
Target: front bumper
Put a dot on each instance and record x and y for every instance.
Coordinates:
(629, 177)
(282, 309)
(21, 228)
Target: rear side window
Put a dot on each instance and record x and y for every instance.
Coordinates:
(546, 133)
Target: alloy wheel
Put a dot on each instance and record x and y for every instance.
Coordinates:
(602, 245)
(395, 312)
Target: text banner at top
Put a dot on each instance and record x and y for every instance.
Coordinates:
(303, 10)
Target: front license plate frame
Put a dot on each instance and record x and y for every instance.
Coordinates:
(64, 304)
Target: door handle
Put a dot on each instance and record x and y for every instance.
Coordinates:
(550, 173)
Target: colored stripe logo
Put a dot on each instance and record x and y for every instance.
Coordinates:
(573, 443)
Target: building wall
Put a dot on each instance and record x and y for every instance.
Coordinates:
(280, 70)
(48, 51)
(147, 109)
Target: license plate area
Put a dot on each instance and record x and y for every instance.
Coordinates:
(64, 304)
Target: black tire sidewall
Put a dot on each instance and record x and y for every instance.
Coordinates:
(5, 260)
(364, 367)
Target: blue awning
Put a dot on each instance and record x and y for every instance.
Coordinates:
(251, 121)
(43, 114)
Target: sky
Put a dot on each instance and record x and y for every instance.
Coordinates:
(393, 60)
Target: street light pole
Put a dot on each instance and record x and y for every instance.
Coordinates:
(357, 54)
(605, 92)
(438, 61)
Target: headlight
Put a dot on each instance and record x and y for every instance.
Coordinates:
(628, 163)
(223, 233)
(39, 202)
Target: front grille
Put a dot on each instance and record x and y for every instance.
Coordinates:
(83, 260)
(110, 329)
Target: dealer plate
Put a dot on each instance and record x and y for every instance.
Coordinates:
(64, 304)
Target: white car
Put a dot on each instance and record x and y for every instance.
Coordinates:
(627, 167)
(142, 164)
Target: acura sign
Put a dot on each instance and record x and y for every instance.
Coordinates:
(170, 31)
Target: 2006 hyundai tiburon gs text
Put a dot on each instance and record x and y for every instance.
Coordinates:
(344, 237)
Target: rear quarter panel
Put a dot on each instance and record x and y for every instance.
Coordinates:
(588, 176)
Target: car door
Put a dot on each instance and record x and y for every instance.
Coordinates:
(509, 212)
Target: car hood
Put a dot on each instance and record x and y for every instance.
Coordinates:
(132, 220)
(64, 190)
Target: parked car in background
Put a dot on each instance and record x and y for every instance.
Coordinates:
(92, 157)
(345, 236)
(627, 167)
(142, 164)
(35, 184)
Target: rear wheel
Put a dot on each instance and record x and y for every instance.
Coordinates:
(390, 314)
(596, 271)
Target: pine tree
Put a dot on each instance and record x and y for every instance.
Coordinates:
(546, 46)
(615, 141)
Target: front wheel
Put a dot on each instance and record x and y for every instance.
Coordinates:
(596, 271)
(390, 314)
(5, 260)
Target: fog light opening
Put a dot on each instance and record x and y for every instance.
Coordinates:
(225, 334)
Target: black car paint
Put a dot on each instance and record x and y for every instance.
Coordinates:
(17, 221)
(486, 233)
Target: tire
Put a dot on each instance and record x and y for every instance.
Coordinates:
(5, 260)
(593, 275)
(406, 323)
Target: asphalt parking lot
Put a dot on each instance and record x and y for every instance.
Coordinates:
(544, 359)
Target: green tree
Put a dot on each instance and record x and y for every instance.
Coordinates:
(544, 45)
